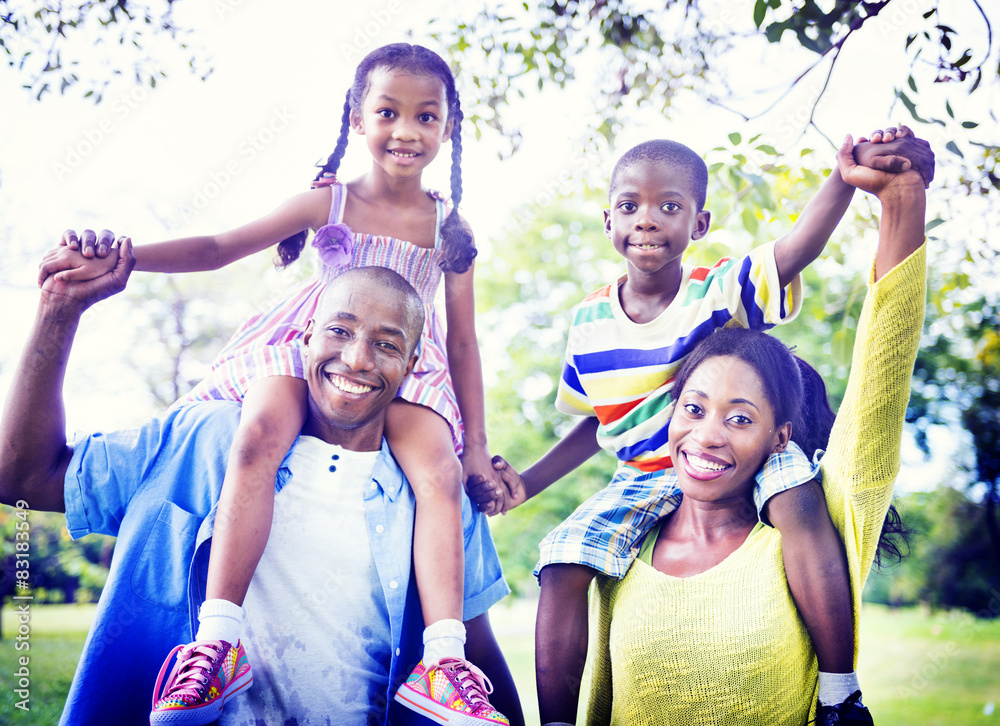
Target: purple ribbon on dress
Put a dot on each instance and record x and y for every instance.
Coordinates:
(335, 244)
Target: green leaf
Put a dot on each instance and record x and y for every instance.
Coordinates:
(953, 148)
(932, 224)
(735, 138)
(969, 124)
(759, 11)
(767, 149)
(947, 107)
(912, 84)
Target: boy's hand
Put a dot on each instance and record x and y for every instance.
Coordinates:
(873, 180)
(896, 150)
(70, 265)
(485, 494)
(516, 490)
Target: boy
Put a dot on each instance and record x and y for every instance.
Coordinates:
(625, 343)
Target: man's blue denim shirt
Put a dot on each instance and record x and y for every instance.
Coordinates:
(155, 488)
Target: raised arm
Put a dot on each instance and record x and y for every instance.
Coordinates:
(862, 458)
(80, 257)
(893, 151)
(33, 451)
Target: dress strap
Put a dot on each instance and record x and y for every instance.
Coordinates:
(440, 220)
(337, 194)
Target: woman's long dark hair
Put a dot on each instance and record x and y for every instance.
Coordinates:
(457, 245)
(797, 393)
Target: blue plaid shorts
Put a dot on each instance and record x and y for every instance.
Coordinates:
(606, 530)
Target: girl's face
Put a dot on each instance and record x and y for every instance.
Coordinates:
(722, 430)
(404, 118)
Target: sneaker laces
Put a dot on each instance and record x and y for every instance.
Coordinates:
(194, 669)
(474, 685)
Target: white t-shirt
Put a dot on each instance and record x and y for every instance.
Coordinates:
(316, 630)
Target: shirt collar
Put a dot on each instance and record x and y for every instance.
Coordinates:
(386, 474)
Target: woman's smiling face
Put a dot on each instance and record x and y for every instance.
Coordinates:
(722, 430)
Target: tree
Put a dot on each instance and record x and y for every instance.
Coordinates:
(52, 45)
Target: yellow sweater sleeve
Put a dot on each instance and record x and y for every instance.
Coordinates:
(862, 459)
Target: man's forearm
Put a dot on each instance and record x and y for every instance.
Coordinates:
(33, 450)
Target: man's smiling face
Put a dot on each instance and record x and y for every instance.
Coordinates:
(359, 348)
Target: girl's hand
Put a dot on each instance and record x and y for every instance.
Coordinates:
(481, 482)
(70, 265)
(515, 490)
(90, 244)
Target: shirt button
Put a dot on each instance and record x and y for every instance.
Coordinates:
(333, 468)
(397, 652)
(393, 584)
(372, 487)
(379, 529)
(335, 457)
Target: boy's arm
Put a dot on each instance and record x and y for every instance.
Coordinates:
(570, 452)
(894, 150)
(797, 249)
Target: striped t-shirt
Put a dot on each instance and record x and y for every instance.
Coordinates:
(622, 372)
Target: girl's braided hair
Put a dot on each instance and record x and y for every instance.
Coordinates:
(457, 246)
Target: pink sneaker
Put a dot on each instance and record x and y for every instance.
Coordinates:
(452, 692)
(207, 673)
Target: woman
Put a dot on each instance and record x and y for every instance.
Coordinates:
(703, 629)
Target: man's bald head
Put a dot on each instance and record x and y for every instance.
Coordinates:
(380, 278)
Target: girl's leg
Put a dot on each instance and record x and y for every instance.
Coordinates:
(816, 569)
(274, 410)
(561, 640)
(421, 443)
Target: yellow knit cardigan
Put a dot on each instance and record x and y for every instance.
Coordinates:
(727, 646)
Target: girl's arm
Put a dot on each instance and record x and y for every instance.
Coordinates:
(192, 254)
(466, 370)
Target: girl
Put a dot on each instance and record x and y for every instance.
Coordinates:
(404, 102)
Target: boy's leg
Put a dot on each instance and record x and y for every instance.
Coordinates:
(561, 640)
(274, 410)
(816, 569)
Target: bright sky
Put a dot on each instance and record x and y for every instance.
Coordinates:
(195, 157)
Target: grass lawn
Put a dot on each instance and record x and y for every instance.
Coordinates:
(916, 668)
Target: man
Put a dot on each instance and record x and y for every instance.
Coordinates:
(332, 625)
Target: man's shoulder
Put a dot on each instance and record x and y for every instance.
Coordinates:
(223, 415)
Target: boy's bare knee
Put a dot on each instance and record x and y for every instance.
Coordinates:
(566, 578)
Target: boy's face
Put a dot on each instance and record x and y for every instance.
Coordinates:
(653, 217)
